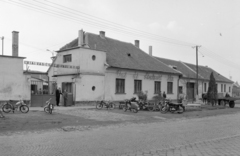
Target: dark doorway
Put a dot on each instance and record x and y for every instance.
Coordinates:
(190, 90)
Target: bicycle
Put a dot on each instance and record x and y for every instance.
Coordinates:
(48, 108)
(9, 106)
(107, 104)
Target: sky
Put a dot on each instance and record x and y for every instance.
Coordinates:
(171, 27)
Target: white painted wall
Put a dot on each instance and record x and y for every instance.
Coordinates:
(147, 84)
(91, 73)
(13, 83)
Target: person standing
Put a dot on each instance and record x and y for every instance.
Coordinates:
(58, 93)
(65, 97)
(164, 95)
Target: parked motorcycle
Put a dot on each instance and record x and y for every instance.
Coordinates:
(143, 105)
(131, 105)
(169, 106)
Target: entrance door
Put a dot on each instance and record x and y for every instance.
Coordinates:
(190, 91)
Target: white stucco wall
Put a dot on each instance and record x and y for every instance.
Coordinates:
(147, 84)
(13, 83)
(80, 57)
(91, 73)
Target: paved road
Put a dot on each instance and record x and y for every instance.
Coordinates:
(168, 137)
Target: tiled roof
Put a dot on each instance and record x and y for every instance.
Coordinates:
(189, 70)
(123, 55)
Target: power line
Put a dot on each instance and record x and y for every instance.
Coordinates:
(48, 11)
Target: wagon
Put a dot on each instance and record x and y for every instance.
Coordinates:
(227, 100)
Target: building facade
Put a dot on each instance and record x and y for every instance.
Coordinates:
(110, 70)
(187, 84)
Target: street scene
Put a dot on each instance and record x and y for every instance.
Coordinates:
(119, 78)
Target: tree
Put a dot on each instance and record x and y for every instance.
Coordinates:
(212, 90)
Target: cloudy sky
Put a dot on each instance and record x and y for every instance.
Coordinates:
(172, 27)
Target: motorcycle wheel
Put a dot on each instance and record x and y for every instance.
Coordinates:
(111, 106)
(99, 105)
(134, 110)
(181, 109)
(164, 109)
(150, 108)
(24, 108)
(6, 108)
(46, 109)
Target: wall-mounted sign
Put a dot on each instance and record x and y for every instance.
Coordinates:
(170, 78)
(152, 77)
(121, 74)
(49, 64)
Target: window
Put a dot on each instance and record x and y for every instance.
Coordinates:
(180, 89)
(205, 87)
(137, 86)
(224, 87)
(67, 58)
(120, 85)
(169, 87)
(67, 86)
(229, 89)
(157, 87)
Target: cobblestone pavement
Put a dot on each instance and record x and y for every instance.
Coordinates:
(128, 138)
(228, 146)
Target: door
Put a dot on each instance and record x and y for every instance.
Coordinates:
(190, 91)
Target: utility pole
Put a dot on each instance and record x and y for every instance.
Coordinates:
(2, 44)
(197, 46)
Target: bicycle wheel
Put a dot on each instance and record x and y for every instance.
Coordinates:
(99, 105)
(164, 109)
(50, 108)
(24, 108)
(125, 109)
(46, 109)
(7, 108)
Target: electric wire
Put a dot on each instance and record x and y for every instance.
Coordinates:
(43, 10)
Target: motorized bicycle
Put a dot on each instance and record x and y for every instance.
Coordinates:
(10, 106)
(107, 104)
(172, 107)
(48, 108)
(143, 105)
(131, 105)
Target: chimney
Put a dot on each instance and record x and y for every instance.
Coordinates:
(137, 43)
(86, 40)
(150, 50)
(102, 34)
(14, 43)
(80, 38)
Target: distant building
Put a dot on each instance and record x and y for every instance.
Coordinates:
(187, 83)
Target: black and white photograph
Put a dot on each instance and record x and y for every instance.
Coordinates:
(119, 78)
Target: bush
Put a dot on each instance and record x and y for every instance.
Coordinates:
(142, 96)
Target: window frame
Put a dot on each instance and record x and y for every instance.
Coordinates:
(66, 58)
(168, 87)
(136, 88)
(120, 90)
(157, 86)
